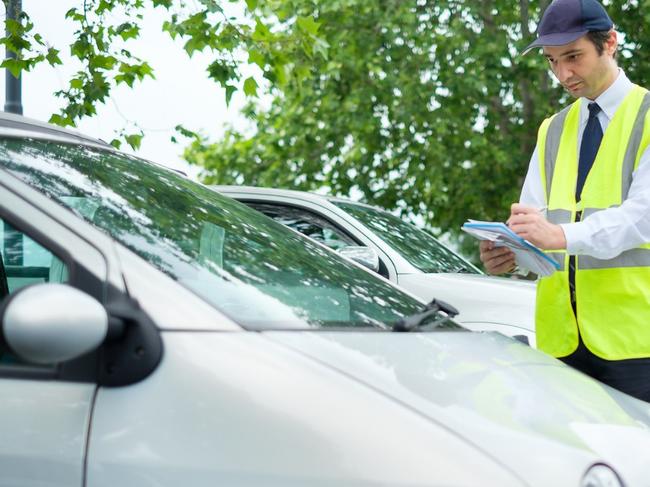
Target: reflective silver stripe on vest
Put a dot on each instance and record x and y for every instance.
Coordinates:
(633, 146)
(629, 258)
(558, 257)
(558, 216)
(552, 146)
(590, 211)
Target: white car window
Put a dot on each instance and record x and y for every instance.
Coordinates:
(421, 249)
(306, 223)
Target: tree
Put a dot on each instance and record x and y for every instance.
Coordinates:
(425, 107)
(263, 35)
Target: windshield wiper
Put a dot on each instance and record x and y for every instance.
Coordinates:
(435, 307)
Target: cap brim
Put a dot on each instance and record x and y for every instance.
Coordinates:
(556, 39)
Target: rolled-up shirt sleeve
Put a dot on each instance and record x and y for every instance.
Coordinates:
(608, 233)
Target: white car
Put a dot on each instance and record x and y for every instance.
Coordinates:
(406, 255)
(157, 334)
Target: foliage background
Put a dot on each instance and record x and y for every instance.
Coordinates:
(231, 33)
(423, 107)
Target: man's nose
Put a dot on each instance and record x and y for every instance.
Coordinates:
(563, 72)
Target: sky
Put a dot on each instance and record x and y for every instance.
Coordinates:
(180, 94)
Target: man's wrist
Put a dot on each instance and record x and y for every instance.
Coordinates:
(559, 242)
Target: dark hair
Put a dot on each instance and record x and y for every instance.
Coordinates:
(598, 39)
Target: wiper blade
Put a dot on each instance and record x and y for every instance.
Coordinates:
(435, 307)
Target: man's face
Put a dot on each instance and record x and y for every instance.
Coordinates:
(580, 69)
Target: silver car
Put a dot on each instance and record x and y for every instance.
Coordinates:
(155, 333)
(403, 253)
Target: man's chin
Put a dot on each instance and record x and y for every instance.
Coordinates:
(577, 92)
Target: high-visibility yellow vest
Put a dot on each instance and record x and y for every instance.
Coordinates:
(612, 295)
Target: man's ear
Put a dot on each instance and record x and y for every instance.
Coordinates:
(611, 44)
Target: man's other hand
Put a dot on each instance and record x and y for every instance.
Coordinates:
(529, 223)
(497, 260)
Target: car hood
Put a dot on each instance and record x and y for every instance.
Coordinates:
(515, 403)
(479, 298)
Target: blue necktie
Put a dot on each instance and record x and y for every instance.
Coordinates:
(591, 139)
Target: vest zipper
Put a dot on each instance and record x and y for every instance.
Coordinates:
(572, 276)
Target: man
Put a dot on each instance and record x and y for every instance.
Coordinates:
(590, 174)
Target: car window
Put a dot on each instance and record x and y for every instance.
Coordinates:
(23, 261)
(26, 261)
(250, 267)
(307, 223)
(418, 247)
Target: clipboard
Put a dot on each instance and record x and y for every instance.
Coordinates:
(527, 255)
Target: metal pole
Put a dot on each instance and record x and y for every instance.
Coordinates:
(13, 89)
(13, 242)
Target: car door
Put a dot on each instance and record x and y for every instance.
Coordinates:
(45, 410)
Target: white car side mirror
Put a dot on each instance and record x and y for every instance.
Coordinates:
(52, 323)
(365, 256)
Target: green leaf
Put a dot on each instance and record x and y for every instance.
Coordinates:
(134, 140)
(57, 119)
(250, 86)
(261, 32)
(116, 143)
(75, 15)
(102, 62)
(14, 27)
(15, 66)
(256, 57)
(52, 57)
(280, 71)
(321, 47)
(187, 132)
(76, 83)
(308, 25)
(230, 90)
(251, 5)
(128, 31)
(221, 72)
(81, 48)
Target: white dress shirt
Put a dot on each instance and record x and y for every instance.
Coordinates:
(607, 233)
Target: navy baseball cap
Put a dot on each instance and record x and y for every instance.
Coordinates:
(565, 21)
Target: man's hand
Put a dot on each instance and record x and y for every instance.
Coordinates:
(530, 224)
(497, 260)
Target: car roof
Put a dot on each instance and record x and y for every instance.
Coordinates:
(19, 126)
(13, 125)
(291, 193)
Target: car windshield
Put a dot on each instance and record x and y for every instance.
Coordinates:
(260, 273)
(418, 247)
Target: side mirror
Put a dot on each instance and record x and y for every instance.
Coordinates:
(52, 323)
(365, 256)
(522, 339)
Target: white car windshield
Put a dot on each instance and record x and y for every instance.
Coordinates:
(253, 269)
(418, 247)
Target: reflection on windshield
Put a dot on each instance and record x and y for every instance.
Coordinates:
(415, 245)
(250, 267)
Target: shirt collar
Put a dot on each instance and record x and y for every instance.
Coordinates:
(612, 97)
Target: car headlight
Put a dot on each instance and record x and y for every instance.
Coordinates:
(601, 476)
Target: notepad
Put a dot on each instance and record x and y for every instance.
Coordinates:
(526, 254)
